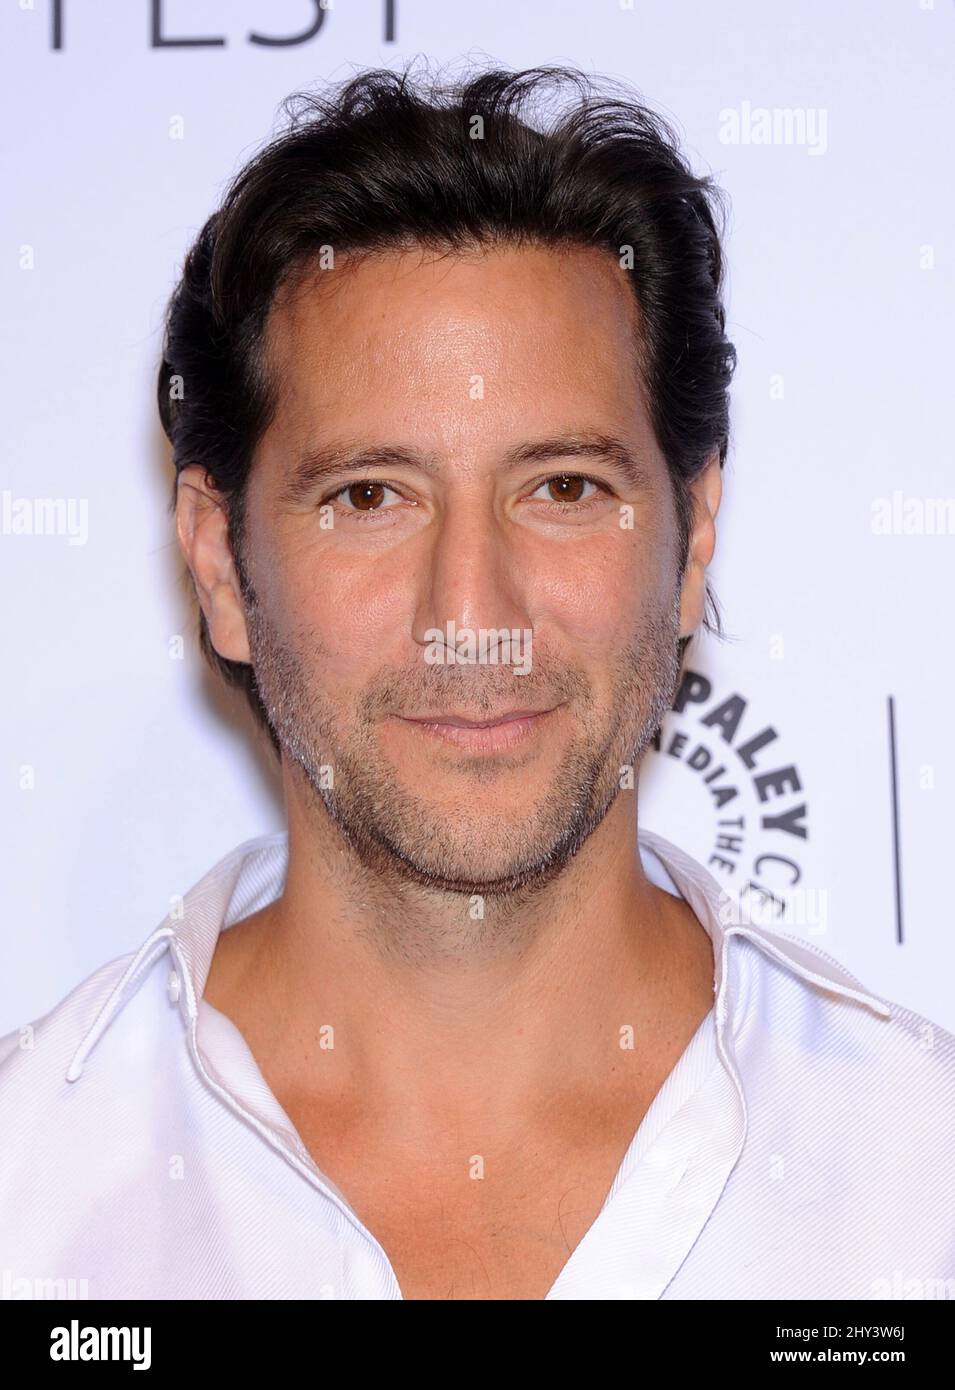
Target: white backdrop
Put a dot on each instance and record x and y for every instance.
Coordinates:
(125, 772)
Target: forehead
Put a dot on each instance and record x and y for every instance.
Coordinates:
(417, 325)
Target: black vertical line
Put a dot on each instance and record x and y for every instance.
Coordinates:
(391, 20)
(895, 823)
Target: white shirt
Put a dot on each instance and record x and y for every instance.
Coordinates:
(802, 1147)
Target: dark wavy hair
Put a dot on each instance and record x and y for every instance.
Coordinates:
(389, 159)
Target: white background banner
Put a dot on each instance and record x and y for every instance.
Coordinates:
(812, 756)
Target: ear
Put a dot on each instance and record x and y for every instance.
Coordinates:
(202, 532)
(706, 491)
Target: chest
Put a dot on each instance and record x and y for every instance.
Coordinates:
(500, 1228)
(518, 1256)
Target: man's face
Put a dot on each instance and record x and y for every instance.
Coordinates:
(556, 570)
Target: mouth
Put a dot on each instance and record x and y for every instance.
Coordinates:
(483, 734)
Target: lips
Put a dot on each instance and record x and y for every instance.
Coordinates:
(461, 721)
(498, 733)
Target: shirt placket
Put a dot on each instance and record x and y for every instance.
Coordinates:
(645, 1232)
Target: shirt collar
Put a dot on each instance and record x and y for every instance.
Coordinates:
(253, 874)
(726, 917)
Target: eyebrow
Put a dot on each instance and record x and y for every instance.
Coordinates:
(321, 462)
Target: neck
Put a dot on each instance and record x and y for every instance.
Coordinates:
(365, 984)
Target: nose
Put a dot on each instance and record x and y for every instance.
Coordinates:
(472, 583)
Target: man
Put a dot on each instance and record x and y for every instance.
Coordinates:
(447, 396)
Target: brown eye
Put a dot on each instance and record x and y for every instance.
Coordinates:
(366, 497)
(568, 487)
(570, 490)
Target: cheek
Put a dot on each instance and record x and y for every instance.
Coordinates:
(341, 610)
(594, 594)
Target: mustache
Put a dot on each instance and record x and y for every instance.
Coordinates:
(483, 689)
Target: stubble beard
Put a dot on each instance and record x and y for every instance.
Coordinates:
(400, 835)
